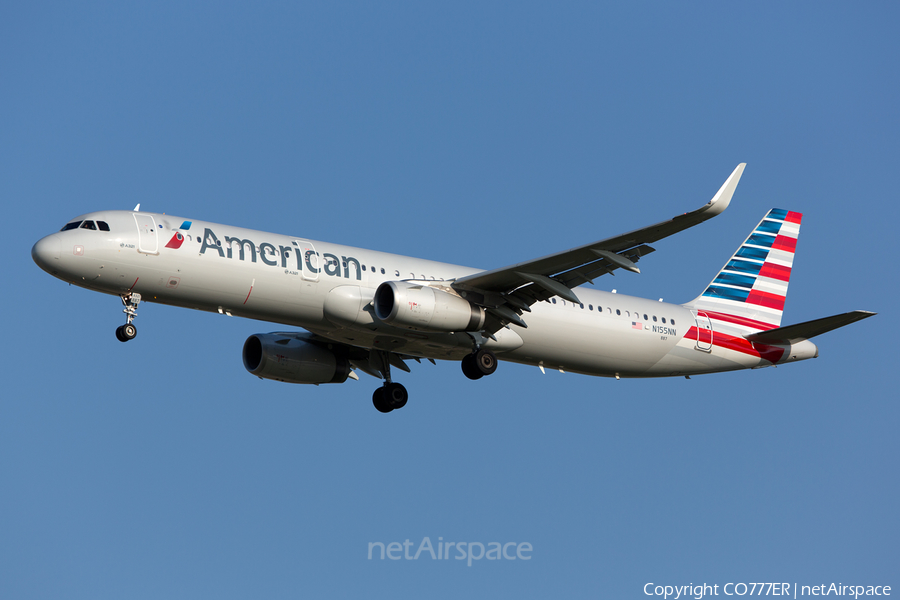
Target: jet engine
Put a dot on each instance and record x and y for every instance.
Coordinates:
(424, 308)
(284, 357)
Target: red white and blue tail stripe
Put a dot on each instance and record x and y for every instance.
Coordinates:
(749, 291)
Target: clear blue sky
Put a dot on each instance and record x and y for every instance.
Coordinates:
(481, 134)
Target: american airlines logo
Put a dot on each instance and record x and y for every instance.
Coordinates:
(178, 238)
(285, 257)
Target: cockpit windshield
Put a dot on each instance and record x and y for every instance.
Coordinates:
(95, 225)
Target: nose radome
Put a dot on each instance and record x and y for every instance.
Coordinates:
(46, 252)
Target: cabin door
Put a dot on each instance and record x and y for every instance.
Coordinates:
(148, 237)
(309, 260)
(704, 332)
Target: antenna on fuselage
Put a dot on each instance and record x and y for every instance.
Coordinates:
(138, 207)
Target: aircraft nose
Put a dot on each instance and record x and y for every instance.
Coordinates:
(46, 253)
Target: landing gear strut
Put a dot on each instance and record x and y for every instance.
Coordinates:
(478, 364)
(128, 331)
(391, 395)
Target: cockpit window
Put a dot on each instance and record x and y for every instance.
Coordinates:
(102, 225)
(72, 225)
(88, 225)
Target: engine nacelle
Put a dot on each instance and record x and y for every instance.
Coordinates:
(424, 308)
(285, 358)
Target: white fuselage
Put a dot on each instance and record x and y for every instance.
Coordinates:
(327, 289)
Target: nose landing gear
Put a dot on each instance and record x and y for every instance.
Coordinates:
(128, 331)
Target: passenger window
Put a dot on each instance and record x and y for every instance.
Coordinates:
(581, 305)
(553, 300)
(72, 225)
(654, 319)
(672, 322)
(382, 270)
(664, 319)
(590, 307)
(102, 225)
(618, 312)
(645, 316)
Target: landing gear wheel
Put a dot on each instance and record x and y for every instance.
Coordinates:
(379, 399)
(126, 332)
(396, 395)
(486, 362)
(470, 369)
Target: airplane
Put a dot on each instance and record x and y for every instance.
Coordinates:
(369, 311)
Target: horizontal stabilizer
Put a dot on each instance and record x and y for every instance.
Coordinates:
(810, 329)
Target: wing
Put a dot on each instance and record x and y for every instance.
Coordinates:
(508, 292)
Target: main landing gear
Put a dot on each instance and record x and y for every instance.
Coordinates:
(478, 364)
(391, 395)
(128, 331)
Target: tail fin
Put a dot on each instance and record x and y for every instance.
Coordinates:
(750, 289)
